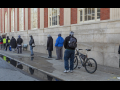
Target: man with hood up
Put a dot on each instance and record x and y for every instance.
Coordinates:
(30, 43)
(13, 43)
(19, 44)
(50, 45)
(7, 42)
(59, 47)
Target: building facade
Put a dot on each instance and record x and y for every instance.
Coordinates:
(95, 28)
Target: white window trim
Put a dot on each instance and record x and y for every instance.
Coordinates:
(12, 18)
(58, 14)
(32, 19)
(90, 21)
(20, 20)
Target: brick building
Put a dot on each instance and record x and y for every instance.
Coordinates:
(95, 28)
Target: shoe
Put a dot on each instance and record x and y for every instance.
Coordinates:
(71, 71)
(57, 59)
(66, 71)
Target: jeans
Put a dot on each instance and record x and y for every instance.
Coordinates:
(69, 54)
(31, 49)
(19, 49)
(50, 53)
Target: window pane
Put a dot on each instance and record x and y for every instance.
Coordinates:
(98, 15)
(81, 15)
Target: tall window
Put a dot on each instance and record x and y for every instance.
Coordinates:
(88, 14)
(34, 18)
(21, 19)
(6, 22)
(12, 19)
(53, 17)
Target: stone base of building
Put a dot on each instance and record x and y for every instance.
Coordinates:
(103, 37)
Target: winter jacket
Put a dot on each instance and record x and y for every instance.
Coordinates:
(50, 44)
(13, 42)
(19, 41)
(31, 41)
(67, 39)
(1, 40)
(59, 42)
(7, 39)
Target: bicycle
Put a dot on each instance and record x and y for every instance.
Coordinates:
(89, 64)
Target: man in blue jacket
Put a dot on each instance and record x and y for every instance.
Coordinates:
(59, 47)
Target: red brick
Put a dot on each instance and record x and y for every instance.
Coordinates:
(45, 17)
(17, 19)
(61, 16)
(104, 13)
(38, 17)
(73, 15)
(29, 18)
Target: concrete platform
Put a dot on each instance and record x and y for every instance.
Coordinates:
(55, 68)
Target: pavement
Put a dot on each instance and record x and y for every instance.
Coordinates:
(10, 73)
(56, 67)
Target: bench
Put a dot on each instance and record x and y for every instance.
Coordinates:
(25, 46)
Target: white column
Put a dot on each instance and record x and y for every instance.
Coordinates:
(15, 19)
(67, 16)
(3, 19)
(41, 18)
(26, 18)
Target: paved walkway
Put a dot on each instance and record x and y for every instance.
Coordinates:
(10, 73)
(56, 67)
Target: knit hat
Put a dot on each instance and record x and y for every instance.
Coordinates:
(71, 33)
(19, 36)
(49, 35)
(59, 34)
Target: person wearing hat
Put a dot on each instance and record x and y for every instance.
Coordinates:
(59, 47)
(19, 44)
(31, 46)
(70, 44)
(13, 43)
(50, 45)
(7, 42)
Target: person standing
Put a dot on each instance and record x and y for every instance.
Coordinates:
(59, 47)
(31, 46)
(7, 42)
(4, 42)
(13, 43)
(1, 42)
(50, 46)
(70, 44)
(19, 44)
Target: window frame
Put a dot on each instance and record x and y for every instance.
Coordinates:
(83, 16)
(20, 14)
(32, 17)
(58, 19)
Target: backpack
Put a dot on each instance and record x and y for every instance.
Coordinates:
(72, 43)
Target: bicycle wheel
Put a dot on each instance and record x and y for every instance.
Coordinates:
(75, 62)
(90, 65)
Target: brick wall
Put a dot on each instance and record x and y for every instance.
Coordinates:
(61, 16)
(45, 17)
(73, 15)
(38, 17)
(17, 19)
(29, 18)
(104, 13)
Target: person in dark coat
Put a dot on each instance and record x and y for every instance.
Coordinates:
(30, 43)
(7, 42)
(1, 42)
(13, 43)
(50, 46)
(19, 44)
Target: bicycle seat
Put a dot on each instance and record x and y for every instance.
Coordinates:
(88, 49)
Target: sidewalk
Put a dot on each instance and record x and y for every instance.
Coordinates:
(56, 68)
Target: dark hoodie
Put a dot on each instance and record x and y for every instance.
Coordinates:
(31, 40)
(7, 39)
(13, 42)
(1, 40)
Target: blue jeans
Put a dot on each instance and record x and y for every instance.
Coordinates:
(69, 54)
(31, 49)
